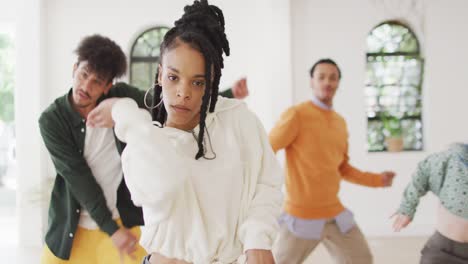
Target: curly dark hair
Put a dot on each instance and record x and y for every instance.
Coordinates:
(104, 56)
(202, 27)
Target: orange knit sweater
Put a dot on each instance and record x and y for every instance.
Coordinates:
(316, 144)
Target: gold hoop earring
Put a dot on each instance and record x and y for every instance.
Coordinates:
(146, 94)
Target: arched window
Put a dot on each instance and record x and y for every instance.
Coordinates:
(393, 87)
(144, 57)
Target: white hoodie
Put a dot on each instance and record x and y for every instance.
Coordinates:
(202, 211)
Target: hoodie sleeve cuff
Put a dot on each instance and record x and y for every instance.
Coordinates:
(127, 115)
(258, 241)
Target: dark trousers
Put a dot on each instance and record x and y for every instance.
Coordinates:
(442, 250)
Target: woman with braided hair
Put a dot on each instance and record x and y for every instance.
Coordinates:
(200, 165)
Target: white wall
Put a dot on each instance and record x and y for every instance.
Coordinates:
(25, 20)
(338, 29)
(28, 106)
(8, 14)
(446, 72)
(267, 55)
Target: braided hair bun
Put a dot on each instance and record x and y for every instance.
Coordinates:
(202, 27)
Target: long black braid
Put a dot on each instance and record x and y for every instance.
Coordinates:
(202, 27)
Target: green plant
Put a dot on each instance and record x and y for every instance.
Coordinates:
(392, 125)
(6, 78)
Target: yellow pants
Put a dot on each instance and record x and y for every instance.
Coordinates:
(94, 247)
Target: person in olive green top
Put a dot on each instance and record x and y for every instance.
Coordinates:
(445, 174)
(92, 218)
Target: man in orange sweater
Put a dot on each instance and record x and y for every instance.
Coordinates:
(315, 138)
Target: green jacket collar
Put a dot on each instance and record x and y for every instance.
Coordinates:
(75, 117)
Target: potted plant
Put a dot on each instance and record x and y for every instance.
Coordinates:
(392, 132)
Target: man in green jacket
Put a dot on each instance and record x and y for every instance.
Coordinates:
(92, 218)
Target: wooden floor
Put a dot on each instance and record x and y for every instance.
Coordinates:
(399, 250)
(386, 250)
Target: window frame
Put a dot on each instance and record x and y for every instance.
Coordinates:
(372, 56)
(143, 59)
